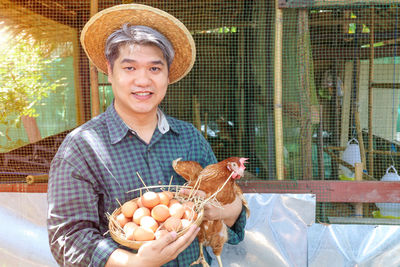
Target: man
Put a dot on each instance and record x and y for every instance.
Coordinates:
(142, 50)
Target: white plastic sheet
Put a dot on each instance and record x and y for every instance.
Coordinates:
(280, 232)
(23, 233)
(350, 245)
(276, 232)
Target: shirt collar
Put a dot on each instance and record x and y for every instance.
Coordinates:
(117, 128)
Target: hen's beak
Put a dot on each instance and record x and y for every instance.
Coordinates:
(175, 162)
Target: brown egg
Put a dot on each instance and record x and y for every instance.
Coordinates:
(172, 202)
(150, 199)
(149, 222)
(122, 220)
(160, 233)
(189, 214)
(176, 210)
(173, 224)
(129, 229)
(185, 223)
(139, 202)
(164, 198)
(128, 208)
(160, 212)
(139, 213)
(169, 194)
(143, 234)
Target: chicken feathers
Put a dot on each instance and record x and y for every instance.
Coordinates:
(211, 179)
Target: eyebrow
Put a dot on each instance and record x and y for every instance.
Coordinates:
(154, 62)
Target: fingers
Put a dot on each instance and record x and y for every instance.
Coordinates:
(165, 240)
(198, 193)
(182, 242)
(167, 248)
(213, 211)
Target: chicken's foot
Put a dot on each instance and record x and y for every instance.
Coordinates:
(201, 258)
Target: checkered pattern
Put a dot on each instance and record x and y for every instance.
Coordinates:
(97, 164)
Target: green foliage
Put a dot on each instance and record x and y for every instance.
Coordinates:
(24, 77)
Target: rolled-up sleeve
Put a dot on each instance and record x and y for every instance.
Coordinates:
(73, 220)
(236, 232)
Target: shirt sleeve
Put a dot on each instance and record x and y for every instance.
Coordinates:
(236, 232)
(73, 219)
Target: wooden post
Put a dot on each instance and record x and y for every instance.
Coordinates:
(94, 77)
(370, 94)
(205, 124)
(80, 116)
(196, 113)
(358, 177)
(305, 102)
(278, 92)
(355, 105)
(320, 147)
(31, 128)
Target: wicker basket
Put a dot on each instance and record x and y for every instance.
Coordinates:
(117, 233)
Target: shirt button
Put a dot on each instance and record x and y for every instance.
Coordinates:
(159, 182)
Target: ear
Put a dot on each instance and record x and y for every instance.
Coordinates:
(109, 72)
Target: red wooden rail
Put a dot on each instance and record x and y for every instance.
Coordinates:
(331, 191)
(325, 191)
(24, 188)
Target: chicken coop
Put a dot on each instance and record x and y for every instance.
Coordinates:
(308, 90)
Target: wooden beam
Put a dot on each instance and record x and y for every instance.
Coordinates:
(330, 191)
(325, 191)
(24, 188)
(386, 85)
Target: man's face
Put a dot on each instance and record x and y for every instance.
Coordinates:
(139, 80)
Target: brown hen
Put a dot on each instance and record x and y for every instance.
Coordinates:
(210, 180)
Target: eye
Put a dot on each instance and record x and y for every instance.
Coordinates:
(129, 68)
(154, 69)
(234, 164)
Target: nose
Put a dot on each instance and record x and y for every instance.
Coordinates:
(142, 78)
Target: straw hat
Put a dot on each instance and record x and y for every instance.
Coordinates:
(96, 31)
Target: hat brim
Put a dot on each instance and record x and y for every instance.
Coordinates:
(96, 31)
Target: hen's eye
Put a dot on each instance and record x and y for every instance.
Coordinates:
(234, 164)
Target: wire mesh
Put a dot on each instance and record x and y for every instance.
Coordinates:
(340, 81)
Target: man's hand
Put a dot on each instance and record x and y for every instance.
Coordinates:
(155, 253)
(214, 211)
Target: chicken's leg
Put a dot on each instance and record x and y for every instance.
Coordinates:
(201, 258)
(219, 260)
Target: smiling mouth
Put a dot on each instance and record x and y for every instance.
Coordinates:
(142, 93)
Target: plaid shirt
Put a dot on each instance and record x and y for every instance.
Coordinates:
(96, 165)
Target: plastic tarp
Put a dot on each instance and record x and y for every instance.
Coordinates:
(349, 245)
(276, 231)
(23, 233)
(280, 232)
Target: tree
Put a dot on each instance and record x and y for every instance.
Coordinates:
(24, 77)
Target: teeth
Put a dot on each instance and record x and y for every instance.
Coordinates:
(142, 94)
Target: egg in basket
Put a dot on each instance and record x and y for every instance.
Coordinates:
(157, 211)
